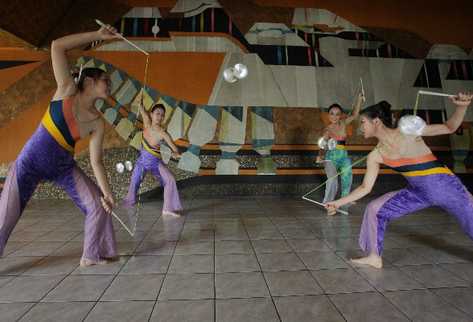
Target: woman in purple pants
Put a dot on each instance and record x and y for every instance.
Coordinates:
(150, 161)
(48, 154)
(429, 182)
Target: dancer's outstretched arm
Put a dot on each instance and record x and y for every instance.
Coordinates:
(461, 101)
(360, 99)
(372, 169)
(59, 47)
(145, 116)
(170, 142)
(95, 148)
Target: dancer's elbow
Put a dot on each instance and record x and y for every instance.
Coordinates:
(450, 129)
(365, 189)
(56, 46)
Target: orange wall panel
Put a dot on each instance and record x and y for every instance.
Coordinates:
(23, 54)
(15, 134)
(9, 76)
(186, 76)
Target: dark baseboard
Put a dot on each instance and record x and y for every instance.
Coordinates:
(288, 185)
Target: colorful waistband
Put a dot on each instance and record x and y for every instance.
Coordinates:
(422, 166)
(340, 145)
(427, 172)
(422, 160)
(150, 149)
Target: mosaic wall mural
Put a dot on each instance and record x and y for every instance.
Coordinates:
(296, 69)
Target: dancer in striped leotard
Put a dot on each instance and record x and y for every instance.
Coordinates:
(429, 182)
(48, 154)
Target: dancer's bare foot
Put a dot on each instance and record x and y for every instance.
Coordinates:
(371, 260)
(84, 262)
(170, 213)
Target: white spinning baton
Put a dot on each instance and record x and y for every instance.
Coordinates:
(321, 204)
(421, 92)
(362, 88)
(122, 223)
(101, 24)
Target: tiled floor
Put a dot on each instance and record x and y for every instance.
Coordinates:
(237, 259)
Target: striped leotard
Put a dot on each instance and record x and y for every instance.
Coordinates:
(60, 122)
(429, 184)
(419, 166)
(48, 156)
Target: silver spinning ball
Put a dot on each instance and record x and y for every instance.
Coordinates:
(411, 125)
(155, 29)
(129, 165)
(322, 143)
(120, 167)
(229, 75)
(240, 71)
(331, 144)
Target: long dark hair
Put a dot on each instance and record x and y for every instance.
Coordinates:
(92, 72)
(382, 111)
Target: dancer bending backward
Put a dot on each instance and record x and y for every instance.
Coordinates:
(337, 160)
(48, 154)
(150, 160)
(429, 182)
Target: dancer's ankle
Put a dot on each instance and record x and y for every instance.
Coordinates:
(84, 262)
(372, 259)
(171, 213)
